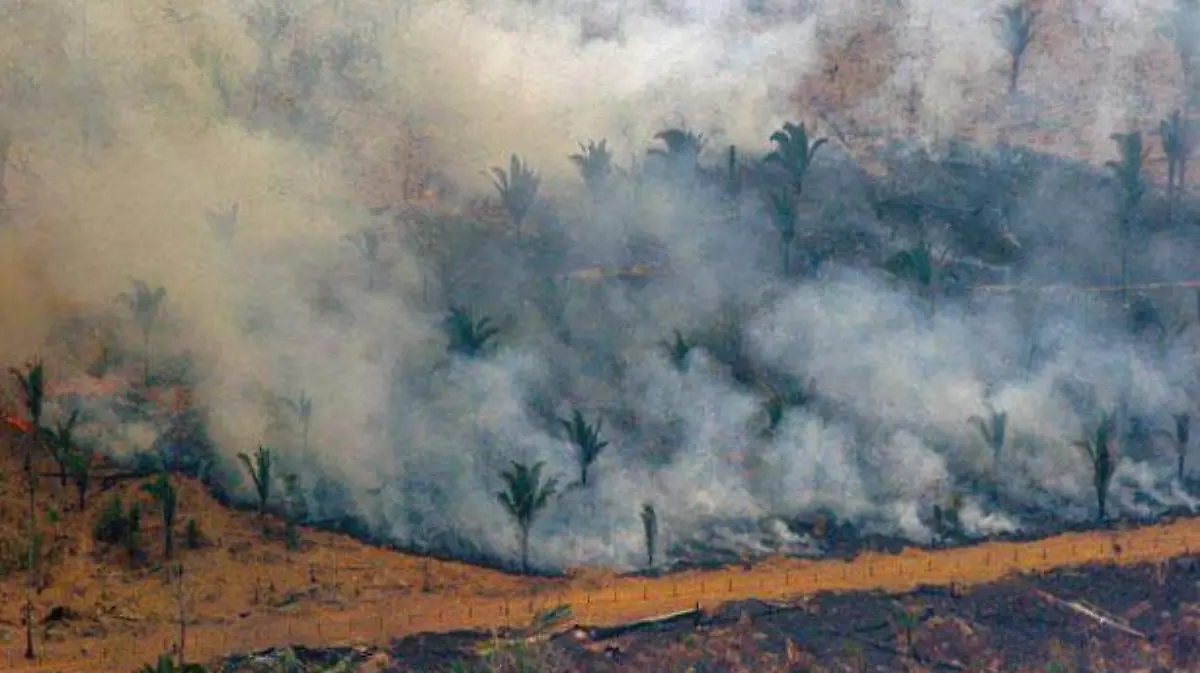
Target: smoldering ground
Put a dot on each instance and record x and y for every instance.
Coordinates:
(231, 153)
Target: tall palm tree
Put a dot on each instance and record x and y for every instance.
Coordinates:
(586, 439)
(1177, 146)
(62, 444)
(794, 153)
(650, 529)
(302, 407)
(681, 153)
(32, 386)
(524, 497)
(1129, 174)
(166, 497)
(469, 336)
(677, 349)
(146, 305)
(993, 431)
(783, 215)
(1016, 25)
(595, 164)
(518, 189)
(1100, 451)
(259, 468)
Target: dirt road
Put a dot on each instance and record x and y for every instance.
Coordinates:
(611, 600)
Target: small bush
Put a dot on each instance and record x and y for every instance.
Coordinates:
(192, 537)
(118, 525)
(291, 536)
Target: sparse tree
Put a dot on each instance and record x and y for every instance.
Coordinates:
(586, 439)
(62, 444)
(302, 407)
(1177, 146)
(524, 497)
(650, 528)
(677, 349)
(794, 153)
(32, 387)
(783, 216)
(1016, 27)
(1100, 451)
(1180, 441)
(259, 467)
(682, 151)
(469, 337)
(595, 164)
(146, 305)
(919, 267)
(79, 466)
(518, 189)
(166, 498)
(1129, 174)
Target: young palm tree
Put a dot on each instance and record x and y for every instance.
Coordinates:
(146, 305)
(1016, 25)
(586, 439)
(794, 153)
(783, 215)
(518, 189)
(1177, 146)
(259, 468)
(595, 164)
(682, 149)
(650, 528)
(62, 444)
(1100, 451)
(469, 337)
(1133, 187)
(677, 349)
(166, 497)
(79, 467)
(32, 386)
(524, 498)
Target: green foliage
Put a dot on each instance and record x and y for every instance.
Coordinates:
(677, 349)
(683, 147)
(518, 188)
(595, 164)
(1098, 447)
(650, 529)
(297, 504)
(116, 525)
(586, 439)
(469, 337)
(259, 467)
(31, 385)
(1016, 25)
(166, 497)
(1183, 433)
(193, 538)
(166, 664)
(146, 305)
(524, 497)
(794, 153)
(1129, 169)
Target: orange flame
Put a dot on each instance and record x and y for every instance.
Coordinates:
(19, 424)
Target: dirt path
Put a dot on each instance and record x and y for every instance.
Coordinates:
(614, 600)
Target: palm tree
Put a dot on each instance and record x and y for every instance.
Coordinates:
(595, 164)
(650, 528)
(518, 190)
(469, 337)
(260, 472)
(1177, 146)
(166, 497)
(794, 153)
(524, 498)
(1129, 174)
(993, 432)
(1017, 30)
(586, 438)
(32, 386)
(677, 349)
(783, 216)
(302, 407)
(146, 305)
(62, 444)
(79, 466)
(166, 664)
(1099, 449)
(682, 147)
(919, 267)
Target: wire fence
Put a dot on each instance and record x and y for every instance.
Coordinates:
(624, 599)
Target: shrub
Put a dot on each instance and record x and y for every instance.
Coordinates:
(192, 537)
